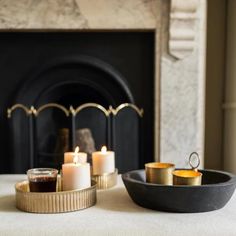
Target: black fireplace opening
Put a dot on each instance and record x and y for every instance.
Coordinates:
(72, 69)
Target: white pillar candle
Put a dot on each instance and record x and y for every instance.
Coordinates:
(69, 156)
(103, 162)
(75, 175)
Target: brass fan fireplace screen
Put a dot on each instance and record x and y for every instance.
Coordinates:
(40, 136)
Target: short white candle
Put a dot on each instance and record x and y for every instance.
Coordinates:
(69, 156)
(103, 161)
(75, 175)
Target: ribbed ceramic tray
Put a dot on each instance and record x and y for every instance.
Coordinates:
(54, 202)
(216, 190)
(107, 180)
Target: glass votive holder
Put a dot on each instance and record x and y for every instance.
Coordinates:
(159, 173)
(42, 179)
(187, 177)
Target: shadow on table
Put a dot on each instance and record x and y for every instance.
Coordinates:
(117, 199)
(7, 204)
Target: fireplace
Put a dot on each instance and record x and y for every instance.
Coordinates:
(71, 69)
(178, 91)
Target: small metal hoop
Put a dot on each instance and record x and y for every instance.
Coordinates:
(191, 160)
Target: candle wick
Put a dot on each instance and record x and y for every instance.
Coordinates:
(76, 159)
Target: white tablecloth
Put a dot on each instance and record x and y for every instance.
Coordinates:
(114, 214)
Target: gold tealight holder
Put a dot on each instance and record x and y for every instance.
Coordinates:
(188, 177)
(159, 173)
(106, 180)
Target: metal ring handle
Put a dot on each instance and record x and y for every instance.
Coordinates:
(191, 160)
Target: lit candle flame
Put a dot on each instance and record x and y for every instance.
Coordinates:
(76, 149)
(104, 149)
(76, 158)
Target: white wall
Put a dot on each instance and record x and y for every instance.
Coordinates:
(230, 91)
(215, 75)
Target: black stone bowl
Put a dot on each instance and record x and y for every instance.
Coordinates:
(216, 190)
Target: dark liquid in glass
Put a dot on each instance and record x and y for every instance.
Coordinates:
(43, 184)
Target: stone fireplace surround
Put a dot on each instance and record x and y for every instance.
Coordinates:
(180, 32)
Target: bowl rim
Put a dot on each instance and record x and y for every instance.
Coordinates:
(232, 180)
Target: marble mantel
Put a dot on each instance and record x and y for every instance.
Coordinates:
(180, 31)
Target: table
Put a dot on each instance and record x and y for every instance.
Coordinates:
(114, 214)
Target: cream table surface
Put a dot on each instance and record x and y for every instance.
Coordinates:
(114, 214)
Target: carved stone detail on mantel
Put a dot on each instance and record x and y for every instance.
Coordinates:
(183, 16)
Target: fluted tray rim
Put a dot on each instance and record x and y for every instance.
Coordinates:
(26, 182)
(54, 202)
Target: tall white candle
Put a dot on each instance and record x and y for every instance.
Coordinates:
(75, 175)
(69, 156)
(103, 161)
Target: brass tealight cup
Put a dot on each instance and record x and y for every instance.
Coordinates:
(159, 173)
(188, 177)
